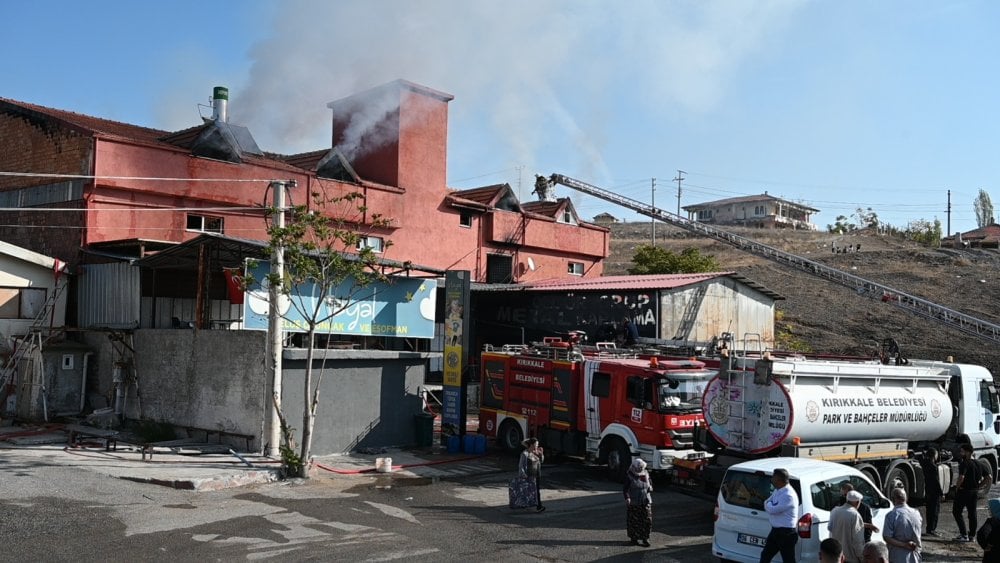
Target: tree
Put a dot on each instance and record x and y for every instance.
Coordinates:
(984, 209)
(867, 218)
(327, 255)
(841, 226)
(924, 232)
(649, 259)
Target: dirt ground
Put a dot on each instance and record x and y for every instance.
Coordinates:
(827, 317)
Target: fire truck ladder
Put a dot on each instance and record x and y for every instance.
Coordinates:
(911, 303)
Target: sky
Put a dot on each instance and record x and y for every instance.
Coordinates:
(840, 105)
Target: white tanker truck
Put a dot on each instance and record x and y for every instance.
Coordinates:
(873, 416)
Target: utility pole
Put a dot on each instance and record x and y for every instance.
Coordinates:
(652, 204)
(678, 179)
(276, 298)
(948, 215)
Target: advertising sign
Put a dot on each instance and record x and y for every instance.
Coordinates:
(456, 341)
(402, 308)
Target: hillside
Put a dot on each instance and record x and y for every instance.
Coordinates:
(831, 318)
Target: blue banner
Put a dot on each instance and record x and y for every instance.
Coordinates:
(402, 308)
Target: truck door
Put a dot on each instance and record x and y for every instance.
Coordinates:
(596, 387)
(990, 405)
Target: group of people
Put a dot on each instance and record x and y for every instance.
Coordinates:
(851, 526)
(638, 490)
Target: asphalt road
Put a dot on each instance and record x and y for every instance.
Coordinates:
(60, 513)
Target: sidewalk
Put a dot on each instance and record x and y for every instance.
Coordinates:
(214, 471)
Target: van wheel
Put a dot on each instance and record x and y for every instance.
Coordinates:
(510, 436)
(619, 459)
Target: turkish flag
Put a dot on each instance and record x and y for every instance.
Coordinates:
(234, 281)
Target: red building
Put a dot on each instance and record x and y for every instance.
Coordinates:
(123, 190)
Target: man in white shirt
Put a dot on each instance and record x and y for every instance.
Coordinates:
(783, 513)
(847, 526)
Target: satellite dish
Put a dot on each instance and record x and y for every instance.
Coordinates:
(531, 264)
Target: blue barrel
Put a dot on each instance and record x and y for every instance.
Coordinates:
(480, 447)
(469, 443)
(454, 444)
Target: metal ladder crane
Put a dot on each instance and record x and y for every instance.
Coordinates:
(911, 303)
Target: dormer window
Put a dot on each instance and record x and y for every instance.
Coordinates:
(465, 220)
(567, 217)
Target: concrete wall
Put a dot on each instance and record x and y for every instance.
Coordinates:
(367, 399)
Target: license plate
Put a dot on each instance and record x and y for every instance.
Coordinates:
(751, 540)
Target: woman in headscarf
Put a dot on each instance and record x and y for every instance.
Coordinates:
(639, 503)
(530, 467)
(991, 550)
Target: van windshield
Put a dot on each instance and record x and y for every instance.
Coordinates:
(750, 489)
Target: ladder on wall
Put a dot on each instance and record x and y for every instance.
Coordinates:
(916, 305)
(28, 348)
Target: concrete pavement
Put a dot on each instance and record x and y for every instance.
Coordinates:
(183, 467)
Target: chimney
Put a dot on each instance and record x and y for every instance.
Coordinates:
(220, 104)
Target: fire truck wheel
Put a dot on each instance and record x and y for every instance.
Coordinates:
(619, 458)
(510, 436)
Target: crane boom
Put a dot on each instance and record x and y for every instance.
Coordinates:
(916, 305)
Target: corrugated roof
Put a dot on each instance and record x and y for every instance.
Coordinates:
(485, 195)
(546, 208)
(624, 283)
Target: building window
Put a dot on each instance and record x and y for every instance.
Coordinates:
(465, 220)
(575, 268)
(374, 243)
(499, 268)
(204, 224)
(567, 217)
(21, 302)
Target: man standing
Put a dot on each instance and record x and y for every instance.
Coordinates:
(863, 509)
(783, 513)
(847, 527)
(966, 491)
(902, 530)
(932, 489)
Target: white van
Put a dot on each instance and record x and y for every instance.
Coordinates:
(741, 524)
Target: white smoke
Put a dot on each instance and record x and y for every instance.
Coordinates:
(527, 76)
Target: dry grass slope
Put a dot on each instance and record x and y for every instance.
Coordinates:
(828, 317)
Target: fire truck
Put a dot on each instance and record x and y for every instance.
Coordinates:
(600, 405)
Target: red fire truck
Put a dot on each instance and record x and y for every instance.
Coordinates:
(605, 407)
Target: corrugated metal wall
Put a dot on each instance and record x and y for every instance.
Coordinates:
(108, 296)
(697, 313)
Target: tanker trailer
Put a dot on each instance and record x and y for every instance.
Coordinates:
(873, 416)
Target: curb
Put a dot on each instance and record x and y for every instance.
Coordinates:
(217, 483)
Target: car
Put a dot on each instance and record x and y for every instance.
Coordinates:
(741, 524)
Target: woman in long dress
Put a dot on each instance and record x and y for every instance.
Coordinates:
(530, 467)
(639, 503)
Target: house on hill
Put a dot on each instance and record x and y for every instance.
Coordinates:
(605, 219)
(761, 211)
(983, 237)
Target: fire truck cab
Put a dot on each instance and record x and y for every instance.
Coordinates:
(606, 408)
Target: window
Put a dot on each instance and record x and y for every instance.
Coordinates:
(749, 490)
(567, 217)
(499, 268)
(204, 224)
(465, 220)
(374, 243)
(825, 494)
(21, 302)
(575, 268)
(600, 385)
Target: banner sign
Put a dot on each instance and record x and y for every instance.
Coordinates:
(402, 308)
(456, 341)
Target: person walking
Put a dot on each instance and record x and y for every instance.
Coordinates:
(989, 535)
(932, 489)
(848, 528)
(902, 530)
(638, 503)
(966, 493)
(530, 467)
(782, 509)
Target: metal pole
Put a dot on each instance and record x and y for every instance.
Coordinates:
(679, 179)
(652, 204)
(276, 298)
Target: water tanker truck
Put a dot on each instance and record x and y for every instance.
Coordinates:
(875, 416)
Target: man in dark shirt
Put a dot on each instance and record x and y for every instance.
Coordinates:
(863, 509)
(932, 489)
(966, 493)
